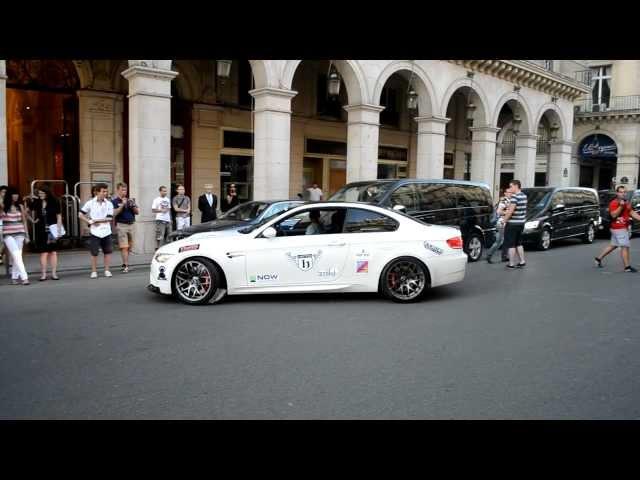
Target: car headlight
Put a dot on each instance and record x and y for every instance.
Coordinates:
(163, 257)
(532, 225)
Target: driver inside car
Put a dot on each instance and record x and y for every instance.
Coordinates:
(315, 227)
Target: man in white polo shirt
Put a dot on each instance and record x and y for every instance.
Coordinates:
(98, 213)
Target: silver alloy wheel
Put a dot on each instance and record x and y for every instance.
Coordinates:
(406, 280)
(545, 239)
(475, 248)
(193, 280)
(591, 233)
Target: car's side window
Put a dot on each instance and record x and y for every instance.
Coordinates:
(437, 196)
(635, 201)
(558, 199)
(315, 221)
(365, 221)
(406, 196)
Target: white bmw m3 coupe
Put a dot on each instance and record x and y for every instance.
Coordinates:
(317, 247)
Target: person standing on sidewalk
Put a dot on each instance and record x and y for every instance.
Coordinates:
(207, 204)
(620, 211)
(315, 193)
(161, 206)
(98, 213)
(515, 218)
(182, 207)
(125, 211)
(46, 210)
(230, 200)
(501, 208)
(15, 233)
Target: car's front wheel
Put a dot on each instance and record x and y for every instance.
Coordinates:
(589, 234)
(404, 280)
(474, 247)
(197, 281)
(545, 239)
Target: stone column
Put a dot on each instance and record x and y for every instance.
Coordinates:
(483, 154)
(272, 144)
(498, 170)
(100, 116)
(149, 141)
(363, 129)
(4, 165)
(627, 166)
(431, 140)
(559, 161)
(525, 170)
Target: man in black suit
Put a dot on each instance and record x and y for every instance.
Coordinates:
(207, 204)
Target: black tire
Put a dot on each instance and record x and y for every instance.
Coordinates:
(196, 281)
(474, 247)
(589, 234)
(396, 279)
(545, 239)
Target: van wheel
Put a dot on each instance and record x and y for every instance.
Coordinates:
(196, 281)
(474, 247)
(545, 239)
(590, 234)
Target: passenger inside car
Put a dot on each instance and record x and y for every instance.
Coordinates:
(315, 227)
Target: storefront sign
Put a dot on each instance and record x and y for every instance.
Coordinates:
(598, 146)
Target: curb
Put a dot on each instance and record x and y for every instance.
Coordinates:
(86, 269)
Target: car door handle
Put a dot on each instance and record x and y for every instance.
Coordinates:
(235, 254)
(337, 244)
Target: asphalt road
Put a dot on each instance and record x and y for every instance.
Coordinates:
(558, 340)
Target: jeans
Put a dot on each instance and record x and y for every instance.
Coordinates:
(14, 244)
(497, 244)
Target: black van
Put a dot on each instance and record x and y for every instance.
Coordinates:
(462, 204)
(605, 199)
(555, 213)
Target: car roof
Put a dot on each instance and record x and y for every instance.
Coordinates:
(404, 181)
(552, 189)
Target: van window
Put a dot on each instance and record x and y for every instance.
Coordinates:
(407, 196)
(635, 201)
(572, 198)
(436, 196)
(470, 196)
(558, 199)
(589, 198)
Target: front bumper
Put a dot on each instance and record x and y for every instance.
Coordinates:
(159, 278)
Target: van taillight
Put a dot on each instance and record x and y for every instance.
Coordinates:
(455, 242)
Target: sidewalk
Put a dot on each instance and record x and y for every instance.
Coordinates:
(78, 260)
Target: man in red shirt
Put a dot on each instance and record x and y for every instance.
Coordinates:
(621, 213)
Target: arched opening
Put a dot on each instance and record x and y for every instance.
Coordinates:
(42, 123)
(465, 110)
(598, 156)
(397, 128)
(513, 120)
(318, 128)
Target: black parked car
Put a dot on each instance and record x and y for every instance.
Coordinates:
(458, 203)
(556, 213)
(240, 216)
(605, 199)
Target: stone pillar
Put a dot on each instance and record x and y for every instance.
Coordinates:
(272, 145)
(627, 166)
(431, 140)
(100, 118)
(149, 142)
(525, 170)
(483, 154)
(559, 161)
(4, 165)
(498, 169)
(363, 129)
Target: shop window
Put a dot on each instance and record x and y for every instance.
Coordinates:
(236, 139)
(326, 147)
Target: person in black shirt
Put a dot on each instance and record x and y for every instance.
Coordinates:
(207, 204)
(46, 212)
(230, 200)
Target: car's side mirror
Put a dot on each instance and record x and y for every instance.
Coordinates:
(270, 233)
(400, 208)
(558, 208)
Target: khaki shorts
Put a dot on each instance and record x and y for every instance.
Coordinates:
(125, 235)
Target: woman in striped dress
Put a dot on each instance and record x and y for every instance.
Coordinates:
(15, 233)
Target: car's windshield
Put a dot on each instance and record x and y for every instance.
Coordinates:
(368, 192)
(536, 199)
(245, 211)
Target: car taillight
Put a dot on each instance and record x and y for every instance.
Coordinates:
(455, 242)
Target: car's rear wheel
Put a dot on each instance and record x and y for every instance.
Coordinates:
(474, 247)
(589, 234)
(545, 239)
(404, 280)
(196, 281)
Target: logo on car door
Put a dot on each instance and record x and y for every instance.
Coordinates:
(304, 261)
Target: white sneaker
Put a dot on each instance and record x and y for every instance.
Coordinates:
(94, 274)
(107, 273)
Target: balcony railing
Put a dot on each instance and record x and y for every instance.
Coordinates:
(616, 104)
(584, 76)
